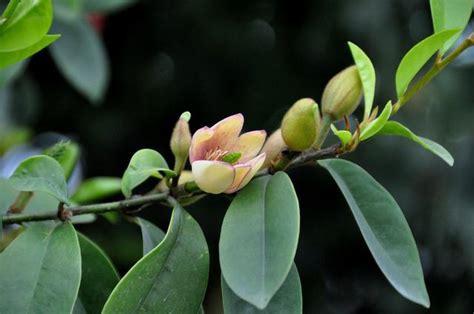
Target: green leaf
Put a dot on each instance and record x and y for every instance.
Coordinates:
(367, 76)
(288, 298)
(384, 228)
(10, 74)
(417, 57)
(106, 6)
(172, 278)
(68, 9)
(396, 128)
(87, 71)
(344, 136)
(95, 189)
(259, 238)
(40, 271)
(66, 153)
(450, 14)
(99, 277)
(40, 173)
(11, 57)
(144, 164)
(151, 234)
(375, 126)
(28, 23)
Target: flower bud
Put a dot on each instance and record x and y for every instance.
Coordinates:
(272, 148)
(342, 94)
(181, 141)
(300, 124)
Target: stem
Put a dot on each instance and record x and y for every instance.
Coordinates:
(313, 155)
(437, 67)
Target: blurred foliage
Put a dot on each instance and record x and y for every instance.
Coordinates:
(215, 58)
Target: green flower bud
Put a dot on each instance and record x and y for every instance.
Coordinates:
(300, 124)
(342, 94)
(181, 141)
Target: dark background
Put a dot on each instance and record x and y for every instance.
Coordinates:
(216, 58)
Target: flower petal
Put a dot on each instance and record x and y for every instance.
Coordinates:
(241, 172)
(226, 131)
(213, 176)
(249, 144)
(255, 165)
(200, 143)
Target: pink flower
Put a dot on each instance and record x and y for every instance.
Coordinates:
(221, 160)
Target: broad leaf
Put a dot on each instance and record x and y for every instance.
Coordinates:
(367, 76)
(99, 277)
(344, 136)
(26, 25)
(151, 234)
(11, 57)
(450, 14)
(40, 271)
(40, 173)
(259, 238)
(417, 57)
(375, 126)
(95, 189)
(172, 278)
(144, 164)
(383, 227)
(396, 128)
(288, 298)
(87, 71)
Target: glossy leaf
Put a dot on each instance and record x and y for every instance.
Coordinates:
(97, 188)
(40, 173)
(172, 278)
(87, 71)
(396, 128)
(417, 57)
(26, 25)
(106, 6)
(450, 14)
(40, 271)
(288, 299)
(144, 164)
(11, 57)
(259, 238)
(151, 234)
(99, 277)
(384, 228)
(344, 136)
(375, 126)
(367, 76)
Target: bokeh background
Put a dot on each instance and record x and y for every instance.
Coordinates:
(214, 58)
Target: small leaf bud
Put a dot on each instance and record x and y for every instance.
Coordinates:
(181, 141)
(342, 94)
(300, 124)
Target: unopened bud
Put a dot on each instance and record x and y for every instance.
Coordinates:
(181, 141)
(300, 124)
(342, 94)
(273, 148)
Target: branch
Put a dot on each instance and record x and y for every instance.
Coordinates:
(314, 155)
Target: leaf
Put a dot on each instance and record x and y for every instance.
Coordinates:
(384, 228)
(144, 164)
(172, 278)
(40, 271)
(67, 9)
(344, 136)
(99, 277)
(11, 57)
(375, 126)
(40, 173)
(87, 71)
(259, 238)
(367, 76)
(450, 14)
(151, 234)
(396, 128)
(67, 154)
(288, 298)
(417, 57)
(106, 6)
(95, 189)
(28, 24)
(11, 73)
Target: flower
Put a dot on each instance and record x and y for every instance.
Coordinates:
(221, 160)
